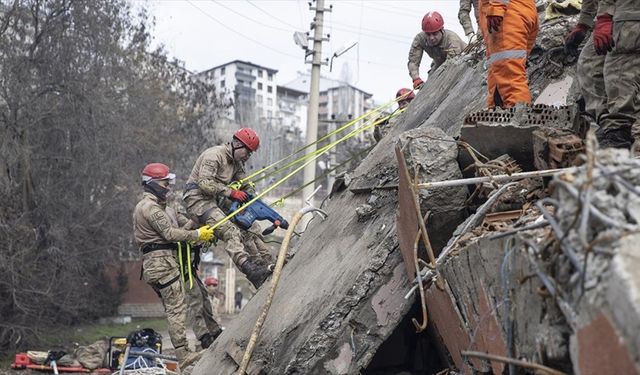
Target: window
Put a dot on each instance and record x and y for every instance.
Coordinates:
(269, 113)
(259, 98)
(269, 89)
(222, 83)
(269, 101)
(260, 73)
(222, 70)
(270, 77)
(259, 85)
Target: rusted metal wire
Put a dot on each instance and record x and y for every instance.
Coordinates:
(539, 369)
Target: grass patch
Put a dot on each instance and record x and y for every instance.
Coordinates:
(89, 333)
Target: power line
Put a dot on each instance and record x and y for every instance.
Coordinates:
(240, 34)
(249, 18)
(270, 15)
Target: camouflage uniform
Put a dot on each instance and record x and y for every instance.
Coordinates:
(207, 186)
(450, 45)
(590, 67)
(620, 126)
(199, 307)
(465, 19)
(153, 226)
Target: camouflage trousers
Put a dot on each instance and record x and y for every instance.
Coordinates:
(620, 126)
(240, 244)
(199, 306)
(161, 271)
(590, 72)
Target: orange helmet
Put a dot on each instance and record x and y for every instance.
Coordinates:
(432, 22)
(157, 172)
(405, 94)
(248, 137)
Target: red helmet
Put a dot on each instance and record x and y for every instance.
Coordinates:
(432, 22)
(406, 94)
(157, 171)
(211, 281)
(248, 137)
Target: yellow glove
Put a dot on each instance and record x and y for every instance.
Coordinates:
(205, 233)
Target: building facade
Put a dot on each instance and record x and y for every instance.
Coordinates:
(251, 88)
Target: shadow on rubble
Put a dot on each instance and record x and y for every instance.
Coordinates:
(406, 352)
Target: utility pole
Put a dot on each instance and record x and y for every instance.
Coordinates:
(314, 93)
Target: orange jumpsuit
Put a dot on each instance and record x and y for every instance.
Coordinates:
(508, 49)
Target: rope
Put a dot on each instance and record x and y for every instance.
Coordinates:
(325, 137)
(320, 152)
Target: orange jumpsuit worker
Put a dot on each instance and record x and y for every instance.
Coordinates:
(510, 28)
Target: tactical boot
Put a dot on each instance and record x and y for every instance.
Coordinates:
(186, 357)
(208, 338)
(256, 272)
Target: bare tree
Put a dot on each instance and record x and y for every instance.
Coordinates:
(83, 106)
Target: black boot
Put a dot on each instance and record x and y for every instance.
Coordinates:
(208, 338)
(256, 272)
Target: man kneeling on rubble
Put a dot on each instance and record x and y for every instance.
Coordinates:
(207, 190)
(157, 235)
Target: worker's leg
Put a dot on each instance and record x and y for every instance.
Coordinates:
(163, 274)
(591, 80)
(507, 51)
(204, 324)
(622, 82)
(255, 246)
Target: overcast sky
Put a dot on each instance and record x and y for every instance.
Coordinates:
(207, 33)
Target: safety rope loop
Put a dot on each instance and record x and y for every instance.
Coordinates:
(189, 265)
(235, 185)
(180, 261)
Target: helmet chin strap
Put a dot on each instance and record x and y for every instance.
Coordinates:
(235, 142)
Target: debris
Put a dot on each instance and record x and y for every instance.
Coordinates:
(365, 212)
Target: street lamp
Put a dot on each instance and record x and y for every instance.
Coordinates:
(341, 51)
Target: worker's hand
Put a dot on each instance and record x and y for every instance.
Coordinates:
(417, 83)
(494, 23)
(238, 195)
(603, 34)
(574, 38)
(472, 37)
(205, 233)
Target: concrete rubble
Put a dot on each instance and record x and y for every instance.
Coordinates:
(540, 270)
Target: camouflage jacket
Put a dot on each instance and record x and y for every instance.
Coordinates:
(449, 46)
(464, 14)
(214, 170)
(155, 223)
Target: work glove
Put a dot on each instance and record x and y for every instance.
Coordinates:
(205, 233)
(472, 37)
(238, 195)
(417, 83)
(603, 34)
(574, 38)
(494, 23)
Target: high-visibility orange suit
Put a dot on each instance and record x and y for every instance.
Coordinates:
(508, 49)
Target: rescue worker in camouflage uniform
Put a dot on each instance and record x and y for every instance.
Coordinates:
(157, 238)
(465, 19)
(616, 34)
(207, 189)
(437, 42)
(404, 96)
(204, 324)
(590, 64)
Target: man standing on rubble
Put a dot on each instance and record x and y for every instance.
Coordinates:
(437, 42)
(157, 237)
(590, 64)
(207, 189)
(619, 21)
(464, 16)
(509, 28)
